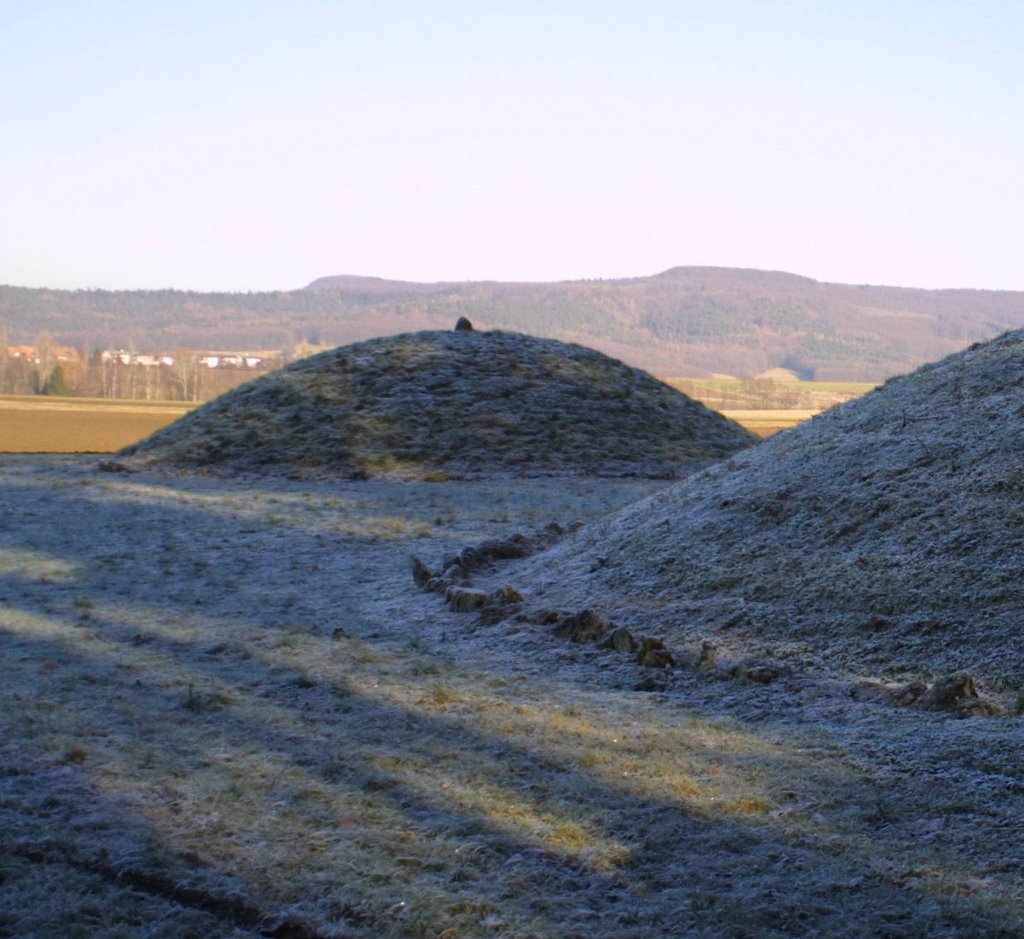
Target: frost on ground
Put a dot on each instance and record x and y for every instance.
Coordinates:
(228, 711)
(450, 403)
(885, 537)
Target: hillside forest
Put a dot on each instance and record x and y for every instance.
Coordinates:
(690, 322)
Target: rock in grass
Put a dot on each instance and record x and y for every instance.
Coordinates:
(707, 659)
(653, 681)
(501, 604)
(656, 658)
(585, 626)
(949, 693)
(622, 640)
(955, 694)
(421, 574)
(505, 596)
(871, 691)
(958, 694)
(908, 693)
(465, 599)
(763, 673)
(899, 696)
(548, 617)
(487, 553)
(704, 659)
(653, 654)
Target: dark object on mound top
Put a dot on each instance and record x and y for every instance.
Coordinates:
(443, 403)
(463, 325)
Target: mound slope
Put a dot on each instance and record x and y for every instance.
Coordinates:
(885, 535)
(460, 402)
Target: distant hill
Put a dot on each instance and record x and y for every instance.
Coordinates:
(687, 321)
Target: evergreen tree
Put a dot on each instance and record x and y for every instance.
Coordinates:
(57, 383)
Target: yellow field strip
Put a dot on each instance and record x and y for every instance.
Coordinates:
(91, 425)
(92, 405)
(39, 424)
(793, 416)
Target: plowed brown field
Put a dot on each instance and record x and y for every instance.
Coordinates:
(41, 424)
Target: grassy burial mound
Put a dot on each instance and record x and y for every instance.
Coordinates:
(457, 402)
(884, 537)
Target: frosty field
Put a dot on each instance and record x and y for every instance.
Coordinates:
(227, 711)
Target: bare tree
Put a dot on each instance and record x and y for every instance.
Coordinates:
(46, 358)
(3, 357)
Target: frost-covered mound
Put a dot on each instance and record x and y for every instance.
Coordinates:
(458, 403)
(885, 535)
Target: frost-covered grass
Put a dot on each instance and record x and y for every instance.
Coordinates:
(227, 711)
(435, 404)
(884, 537)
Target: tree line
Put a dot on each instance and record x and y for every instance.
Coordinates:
(45, 368)
(687, 321)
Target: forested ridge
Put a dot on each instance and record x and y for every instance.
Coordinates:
(685, 321)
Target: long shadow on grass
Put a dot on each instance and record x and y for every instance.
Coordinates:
(410, 818)
(416, 776)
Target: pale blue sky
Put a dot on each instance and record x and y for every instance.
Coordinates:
(259, 145)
